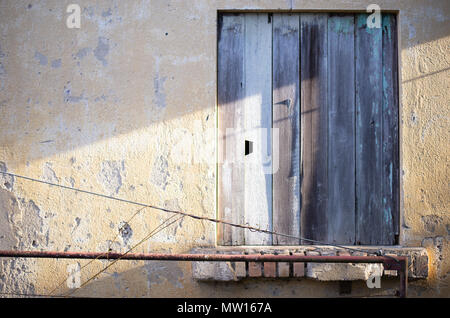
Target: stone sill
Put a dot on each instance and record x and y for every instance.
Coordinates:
(235, 271)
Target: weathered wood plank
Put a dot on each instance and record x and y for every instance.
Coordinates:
(314, 113)
(390, 136)
(340, 213)
(286, 118)
(231, 124)
(369, 212)
(257, 125)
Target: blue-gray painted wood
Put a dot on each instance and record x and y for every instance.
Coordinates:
(257, 127)
(314, 116)
(286, 124)
(369, 99)
(231, 123)
(340, 212)
(245, 113)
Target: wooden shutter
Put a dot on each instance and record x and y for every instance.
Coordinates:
(327, 84)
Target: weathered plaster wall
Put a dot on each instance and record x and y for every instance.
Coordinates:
(126, 106)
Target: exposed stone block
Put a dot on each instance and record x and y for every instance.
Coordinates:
(343, 253)
(240, 270)
(338, 272)
(217, 271)
(283, 269)
(299, 270)
(420, 266)
(270, 269)
(254, 269)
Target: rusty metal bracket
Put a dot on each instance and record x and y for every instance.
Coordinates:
(401, 266)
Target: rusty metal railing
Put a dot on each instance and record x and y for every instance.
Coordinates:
(398, 263)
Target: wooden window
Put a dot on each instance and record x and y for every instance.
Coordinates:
(308, 128)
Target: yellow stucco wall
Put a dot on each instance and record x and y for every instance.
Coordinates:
(126, 106)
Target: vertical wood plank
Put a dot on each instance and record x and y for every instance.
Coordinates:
(369, 213)
(314, 114)
(286, 118)
(390, 136)
(230, 108)
(257, 125)
(340, 212)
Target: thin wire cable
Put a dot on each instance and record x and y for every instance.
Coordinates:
(115, 261)
(153, 232)
(38, 295)
(247, 227)
(51, 294)
(106, 253)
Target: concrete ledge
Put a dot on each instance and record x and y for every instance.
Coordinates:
(234, 271)
(215, 271)
(341, 272)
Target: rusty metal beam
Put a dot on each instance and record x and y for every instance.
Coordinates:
(200, 257)
(399, 263)
(403, 275)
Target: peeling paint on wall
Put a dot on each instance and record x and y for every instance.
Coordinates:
(125, 231)
(82, 53)
(160, 96)
(160, 172)
(56, 63)
(6, 181)
(48, 174)
(110, 176)
(158, 271)
(8, 207)
(102, 50)
(41, 58)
